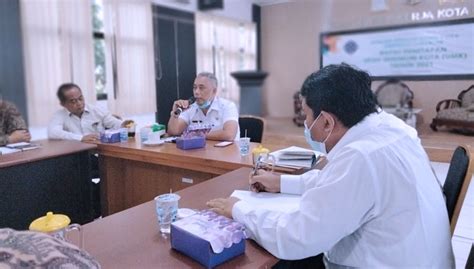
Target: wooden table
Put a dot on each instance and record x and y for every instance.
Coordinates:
(54, 177)
(132, 173)
(131, 238)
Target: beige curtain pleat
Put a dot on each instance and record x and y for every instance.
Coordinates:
(57, 45)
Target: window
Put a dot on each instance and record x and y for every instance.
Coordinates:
(99, 49)
(224, 46)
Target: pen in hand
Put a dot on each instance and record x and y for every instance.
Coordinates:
(257, 186)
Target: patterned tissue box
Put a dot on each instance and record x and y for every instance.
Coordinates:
(110, 136)
(208, 238)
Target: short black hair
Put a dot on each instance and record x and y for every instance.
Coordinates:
(341, 90)
(64, 87)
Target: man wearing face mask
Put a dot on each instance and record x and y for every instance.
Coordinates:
(208, 109)
(376, 203)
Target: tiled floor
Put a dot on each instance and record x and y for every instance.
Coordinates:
(286, 130)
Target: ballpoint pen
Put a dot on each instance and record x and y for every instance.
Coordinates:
(257, 186)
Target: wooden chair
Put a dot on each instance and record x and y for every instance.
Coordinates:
(396, 97)
(253, 126)
(456, 114)
(457, 181)
(299, 116)
(394, 93)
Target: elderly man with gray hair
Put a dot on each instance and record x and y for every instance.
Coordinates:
(208, 108)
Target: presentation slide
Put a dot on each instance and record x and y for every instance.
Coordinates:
(420, 52)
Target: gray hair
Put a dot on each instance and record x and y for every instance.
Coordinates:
(209, 76)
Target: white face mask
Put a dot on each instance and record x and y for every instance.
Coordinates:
(315, 145)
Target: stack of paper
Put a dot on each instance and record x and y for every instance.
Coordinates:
(295, 157)
(23, 146)
(5, 150)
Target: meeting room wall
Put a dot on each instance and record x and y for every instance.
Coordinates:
(290, 45)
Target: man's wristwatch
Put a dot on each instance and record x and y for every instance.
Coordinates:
(172, 114)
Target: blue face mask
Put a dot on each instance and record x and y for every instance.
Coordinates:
(205, 105)
(315, 145)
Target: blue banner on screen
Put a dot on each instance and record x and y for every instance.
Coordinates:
(435, 51)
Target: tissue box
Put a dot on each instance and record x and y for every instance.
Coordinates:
(191, 142)
(208, 238)
(110, 136)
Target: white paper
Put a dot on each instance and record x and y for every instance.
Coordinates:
(272, 201)
(5, 150)
(18, 145)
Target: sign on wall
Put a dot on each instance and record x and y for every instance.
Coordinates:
(435, 51)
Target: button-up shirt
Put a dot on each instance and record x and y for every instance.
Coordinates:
(10, 121)
(220, 111)
(67, 126)
(376, 204)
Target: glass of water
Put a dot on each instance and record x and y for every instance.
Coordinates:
(244, 145)
(166, 210)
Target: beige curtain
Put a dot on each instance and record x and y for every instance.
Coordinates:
(57, 45)
(129, 39)
(223, 46)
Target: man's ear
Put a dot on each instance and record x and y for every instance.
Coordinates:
(329, 121)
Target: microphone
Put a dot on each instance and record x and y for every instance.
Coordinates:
(180, 109)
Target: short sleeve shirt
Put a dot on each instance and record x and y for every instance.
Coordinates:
(220, 112)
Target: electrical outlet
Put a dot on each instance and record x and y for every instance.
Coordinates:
(187, 180)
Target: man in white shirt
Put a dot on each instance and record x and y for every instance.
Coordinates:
(78, 121)
(208, 109)
(376, 203)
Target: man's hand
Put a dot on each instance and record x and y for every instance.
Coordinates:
(19, 136)
(265, 181)
(223, 206)
(90, 138)
(321, 162)
(183, 104)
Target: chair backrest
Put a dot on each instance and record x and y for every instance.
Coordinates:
(457, 181)
(467, 97)
(470, 259)
(253, 125)
(394, 93)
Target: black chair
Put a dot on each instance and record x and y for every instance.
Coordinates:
(457, 182)
(252, 126)
(470, 259)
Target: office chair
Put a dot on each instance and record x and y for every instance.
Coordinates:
(457, 182)
(470, 259)
(253, 126)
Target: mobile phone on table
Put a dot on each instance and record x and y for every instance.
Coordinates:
(223, 144)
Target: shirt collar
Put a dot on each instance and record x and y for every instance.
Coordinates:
(368, 123)
(86, 110)
(214, 105)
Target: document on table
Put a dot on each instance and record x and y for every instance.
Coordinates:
(23, 146)
(5, 150)
(272, 201)
(295, 157)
